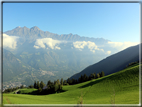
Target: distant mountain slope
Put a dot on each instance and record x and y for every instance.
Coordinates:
(48, 63)
(112, 63)
(14, 69)
(9, 65)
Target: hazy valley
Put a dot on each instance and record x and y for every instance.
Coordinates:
(34, 54)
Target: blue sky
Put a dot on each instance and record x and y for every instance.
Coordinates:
(118, 22)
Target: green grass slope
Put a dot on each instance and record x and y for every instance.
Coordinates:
(119, 88)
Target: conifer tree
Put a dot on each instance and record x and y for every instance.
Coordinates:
(35, 85)
(42, 84)
(94, 75)
(56, 87)
(87, 78)
(60, 87)
(102, 74)
(55, 82)
(84, 77)
(81, 78)
(69, 81)
(58, 81)
(61, 81)
(76, 81)
(48, 83)
(73, 81)
(90, 77)
(65, 82)
(39, 90)
(98, 75)
(38, 85)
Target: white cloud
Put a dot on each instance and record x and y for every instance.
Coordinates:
(91, 45)
(36, 46)
(122, 45)
(57, 48)
(9, 41)
(40, 43)
(79, 44)
(108, 52)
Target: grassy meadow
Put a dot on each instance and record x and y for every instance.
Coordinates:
(118, 88)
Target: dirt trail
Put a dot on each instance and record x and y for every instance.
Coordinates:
(16, 91)
(8, 100)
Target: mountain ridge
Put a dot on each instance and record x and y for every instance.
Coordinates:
(38, 33)
(105, 64)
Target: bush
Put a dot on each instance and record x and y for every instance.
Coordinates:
(66, 84)
(39, 90)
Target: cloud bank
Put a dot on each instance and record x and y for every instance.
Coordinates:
(53, 44)
(91, 45)
(9, 41)
(122, 45)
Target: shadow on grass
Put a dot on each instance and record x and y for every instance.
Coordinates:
(111, 77)
(44, 92)
(92, 83)
(30, 93)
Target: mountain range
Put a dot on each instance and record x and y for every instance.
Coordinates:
(35, 33)
(36, 55)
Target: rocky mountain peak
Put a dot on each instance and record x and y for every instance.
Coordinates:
(17, 27)
(35, 28)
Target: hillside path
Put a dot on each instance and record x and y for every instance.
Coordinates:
(8, 101)
(16, 91)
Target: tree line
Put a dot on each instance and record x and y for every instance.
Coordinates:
(56, 86)
(132, 63)
(50, 87)
(84, 78)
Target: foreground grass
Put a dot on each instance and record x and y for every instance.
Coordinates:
(119, 88)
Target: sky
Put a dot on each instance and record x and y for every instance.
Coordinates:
(117, 22)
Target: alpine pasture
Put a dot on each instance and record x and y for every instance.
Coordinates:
(121, 87)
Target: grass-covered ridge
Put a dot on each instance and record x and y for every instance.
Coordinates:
(120, 88)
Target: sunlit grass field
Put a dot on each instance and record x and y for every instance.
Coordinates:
(118, 88)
